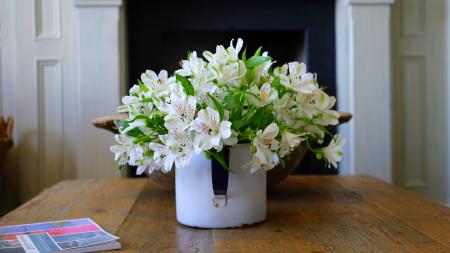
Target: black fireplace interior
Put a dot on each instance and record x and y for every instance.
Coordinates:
(161, 33)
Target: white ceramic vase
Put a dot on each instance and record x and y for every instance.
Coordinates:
(245, 202)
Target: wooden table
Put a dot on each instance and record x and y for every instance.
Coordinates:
(305, 214)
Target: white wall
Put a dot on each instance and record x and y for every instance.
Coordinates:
(364, 85)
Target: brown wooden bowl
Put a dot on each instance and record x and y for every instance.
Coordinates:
(274, 176)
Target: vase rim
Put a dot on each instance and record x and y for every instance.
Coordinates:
(240, 145)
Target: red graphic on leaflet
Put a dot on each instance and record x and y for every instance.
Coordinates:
(58, 231)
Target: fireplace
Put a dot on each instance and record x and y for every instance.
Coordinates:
(161, 33)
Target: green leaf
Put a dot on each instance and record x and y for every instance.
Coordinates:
(146, 100)
(121, 124)
(157, 124)
(120, 167)
(189, 55)
(261, 118)
(218, 156)
(187, 85)
(279, 87)
(258, 51)
(249, 76)
(243, 121)
(138, 117)
(256, 61)
(207, 155)
(244, 55)
(218, 106)
(142, 86)
(230, 100)
(234, 102)
(149, 153)
(135, 133)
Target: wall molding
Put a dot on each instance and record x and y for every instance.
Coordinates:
(50, 120)
(47, 19)
(414, 104)
(413, 18)
(411, 72)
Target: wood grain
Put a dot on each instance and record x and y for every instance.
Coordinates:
(108, 202)
(305, 214)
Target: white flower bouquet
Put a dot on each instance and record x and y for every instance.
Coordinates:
(220, 100)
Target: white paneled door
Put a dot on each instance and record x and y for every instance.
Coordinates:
(59, 75)
(421, 147)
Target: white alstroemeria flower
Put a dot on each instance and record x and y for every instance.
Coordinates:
(234, 51)
(211, 130)
(181, 112)
(181, 145)
(230, 141)
(136, 91)
(282, 74)
(313, 103)
(218, 58)
(135, 123)
(262, 71)
(263, 96)
(265, 143)
(133, 105)
(227, 74)
(312, 130)
(255, 164)
(176, 148)
(233, 139)
(327, 118)
(146, 164)
(192, 66)
(301, 81)
(224, 56)
(126, 100)
(126, 151)
(158, 85)
(129, 103)
(285, 109)
(290, 141)
(203, 84)
(163, 156)
(333, 152)
(225, 63)
(219, 95)
(121, 150)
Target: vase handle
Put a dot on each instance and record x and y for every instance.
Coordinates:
(219, 176)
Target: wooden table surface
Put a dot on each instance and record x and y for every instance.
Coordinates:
(305, 214)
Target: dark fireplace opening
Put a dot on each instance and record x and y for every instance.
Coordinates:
(161, 33)
(165, 50)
